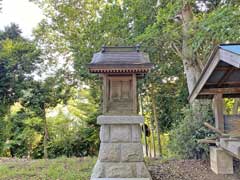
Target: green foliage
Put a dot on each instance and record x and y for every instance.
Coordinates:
(22, 133)
(72, 31)
(207, 31)
(183, 138)
(74, 133)
(18, 58)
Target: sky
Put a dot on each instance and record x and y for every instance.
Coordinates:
(22, 12)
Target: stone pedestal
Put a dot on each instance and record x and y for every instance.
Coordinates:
(221, 162)
(121, 152)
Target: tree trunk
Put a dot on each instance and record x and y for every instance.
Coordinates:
(45, 140)
(191, 67)
(153, 141)
(156, 123)
(144, 129)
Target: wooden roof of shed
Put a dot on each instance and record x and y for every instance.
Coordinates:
(120, 59)
(220, 75)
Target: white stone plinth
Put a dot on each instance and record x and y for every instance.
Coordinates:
(121, 154)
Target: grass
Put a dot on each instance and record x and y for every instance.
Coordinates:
(55, 169)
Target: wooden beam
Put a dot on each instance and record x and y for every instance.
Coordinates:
(213, 91)
(218, 107)
(209, 68)
(209, 126)
(233, 83)
(232, 147)
(225, 68)
(134, 93)
(230, 58)
(206, 141)
(237, 83)
(105, 93)
(225, 77)
(120, 78)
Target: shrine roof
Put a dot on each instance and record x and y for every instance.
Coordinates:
(122, 59)
(221, 74)
(234, 48)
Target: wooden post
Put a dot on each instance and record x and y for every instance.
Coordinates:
(218, 108)
(134, 93)
(105, 92)
(235, 106)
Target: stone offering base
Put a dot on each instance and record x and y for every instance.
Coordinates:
(121, 153)
(221, 162)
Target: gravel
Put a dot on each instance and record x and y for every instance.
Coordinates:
(188, 170)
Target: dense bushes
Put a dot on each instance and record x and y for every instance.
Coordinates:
(72, 129)
(183, 138)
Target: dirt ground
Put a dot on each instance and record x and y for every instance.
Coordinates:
(188, 170)
(167, 170)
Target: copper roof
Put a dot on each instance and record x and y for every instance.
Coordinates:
(120, 59)
(220, 75)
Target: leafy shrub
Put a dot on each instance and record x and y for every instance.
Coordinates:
(183, 138)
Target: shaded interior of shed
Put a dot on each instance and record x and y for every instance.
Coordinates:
(225, 79)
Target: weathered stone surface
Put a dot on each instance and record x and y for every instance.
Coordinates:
(142, 170)
(232, 145)
(221, 162)
(105, 133)
(136, 133)
(131, 152)
(121, 133)
(117, 170)
(98, 170)
(120, 119)
(109, 152)
(121, 153)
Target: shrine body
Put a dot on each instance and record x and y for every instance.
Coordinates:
(119, 68)
(121, 153)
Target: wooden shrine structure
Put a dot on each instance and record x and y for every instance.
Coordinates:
(221, 79)
(120, 67)
(121, 154)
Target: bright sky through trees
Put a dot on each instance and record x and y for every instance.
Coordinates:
(22, 12)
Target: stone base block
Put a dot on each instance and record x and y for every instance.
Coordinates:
(221, 162)
(121, 154)
(120, 169)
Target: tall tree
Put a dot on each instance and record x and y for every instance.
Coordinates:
(191, 67)
(41, 96)
(18, 59)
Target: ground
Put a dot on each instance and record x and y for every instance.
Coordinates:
(188, 170)
(80, 169)
(57, 169)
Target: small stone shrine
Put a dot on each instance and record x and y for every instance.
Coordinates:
(121, 154)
